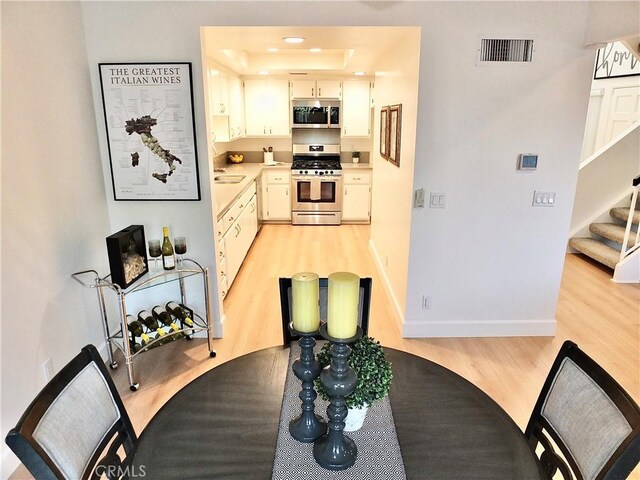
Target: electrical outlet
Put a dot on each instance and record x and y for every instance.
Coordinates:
(47, 369)
(426, 302)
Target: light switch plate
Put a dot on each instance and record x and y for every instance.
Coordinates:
(544, 199)
(437, 200)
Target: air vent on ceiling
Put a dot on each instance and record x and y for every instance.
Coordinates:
(298, 73)
(493, 50)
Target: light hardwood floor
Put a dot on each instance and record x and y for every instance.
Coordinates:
(599, 315)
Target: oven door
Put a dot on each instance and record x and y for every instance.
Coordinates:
(317, 194)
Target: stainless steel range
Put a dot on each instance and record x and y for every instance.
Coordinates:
(316, 184)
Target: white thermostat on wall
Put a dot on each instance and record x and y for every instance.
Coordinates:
(527, 161)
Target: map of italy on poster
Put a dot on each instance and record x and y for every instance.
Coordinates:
(150, 131)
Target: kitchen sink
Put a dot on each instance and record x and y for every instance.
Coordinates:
(228, 178)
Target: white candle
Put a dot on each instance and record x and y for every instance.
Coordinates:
(304, 292)
(344, 291)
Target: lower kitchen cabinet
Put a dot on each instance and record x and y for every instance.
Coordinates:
(276, 197)
(356, 201)
(238, 228)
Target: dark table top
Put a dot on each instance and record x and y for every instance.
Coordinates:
(224, 424)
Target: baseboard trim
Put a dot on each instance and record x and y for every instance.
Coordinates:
(399, 315)
(10, 462)
(479, 328)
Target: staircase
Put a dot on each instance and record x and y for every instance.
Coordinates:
(607, 240)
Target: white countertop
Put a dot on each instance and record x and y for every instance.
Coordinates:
(356, 166)
(227, 193)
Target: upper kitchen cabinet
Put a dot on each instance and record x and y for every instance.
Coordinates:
(236, 105)
(266, 105)
(316, 89)
(226, 104)
(356, 108)
(218, 90)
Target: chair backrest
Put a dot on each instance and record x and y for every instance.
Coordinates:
(71, 422)
(589, 417)
(364, 304)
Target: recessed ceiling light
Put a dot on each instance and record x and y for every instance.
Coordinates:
(359, 73)
(293, 39)
(315, 50)
(272, 50)
(263, 72)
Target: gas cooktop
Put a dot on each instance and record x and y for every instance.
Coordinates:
(316, 159)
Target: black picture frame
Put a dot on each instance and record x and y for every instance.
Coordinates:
(151, 132)
(127, 251)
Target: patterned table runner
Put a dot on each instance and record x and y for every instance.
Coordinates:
(379, 456)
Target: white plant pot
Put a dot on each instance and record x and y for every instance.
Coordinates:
(355, 418)
(355, 159)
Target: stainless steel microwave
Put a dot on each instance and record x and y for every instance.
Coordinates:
(315, 114)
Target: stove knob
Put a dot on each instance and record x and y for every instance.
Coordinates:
(321, 173)
(306, 171)
(331, 172)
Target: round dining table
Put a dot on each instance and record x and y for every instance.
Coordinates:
(224, 425)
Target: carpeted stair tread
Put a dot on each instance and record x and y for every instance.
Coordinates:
(613, 232)
(622, 213)
(597, 250)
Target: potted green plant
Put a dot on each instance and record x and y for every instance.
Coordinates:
(374, 378)
(355, 157)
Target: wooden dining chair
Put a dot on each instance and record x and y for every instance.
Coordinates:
(67, 428)
(593, 422)
(364, 304)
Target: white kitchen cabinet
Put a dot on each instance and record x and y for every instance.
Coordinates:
(266, 108)
(356, 201)
(356, 108)
(240, 226)
(329, 89)
(236, 108)
(276, 202)
(218, 90)
(226, 104)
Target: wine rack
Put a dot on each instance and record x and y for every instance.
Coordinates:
(120, 338)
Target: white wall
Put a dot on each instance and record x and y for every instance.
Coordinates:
(490, 262)
(54, 217)
(132, 32)
(396, 83)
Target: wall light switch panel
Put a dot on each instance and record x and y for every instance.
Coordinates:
(544, 199)
(437, 200)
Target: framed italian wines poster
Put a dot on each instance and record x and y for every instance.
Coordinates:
(148, 112)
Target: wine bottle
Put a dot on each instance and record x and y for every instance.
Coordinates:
(168, 258)
(164, 318)
(135, 347)
(180, 313)
(150, 322)
(136, 330)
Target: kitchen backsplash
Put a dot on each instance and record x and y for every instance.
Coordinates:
(279, 156)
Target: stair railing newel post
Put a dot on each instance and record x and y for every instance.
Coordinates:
(626, 250)
(335, 450)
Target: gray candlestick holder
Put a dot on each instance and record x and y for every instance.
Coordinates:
(307, 427)
(335, 450)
